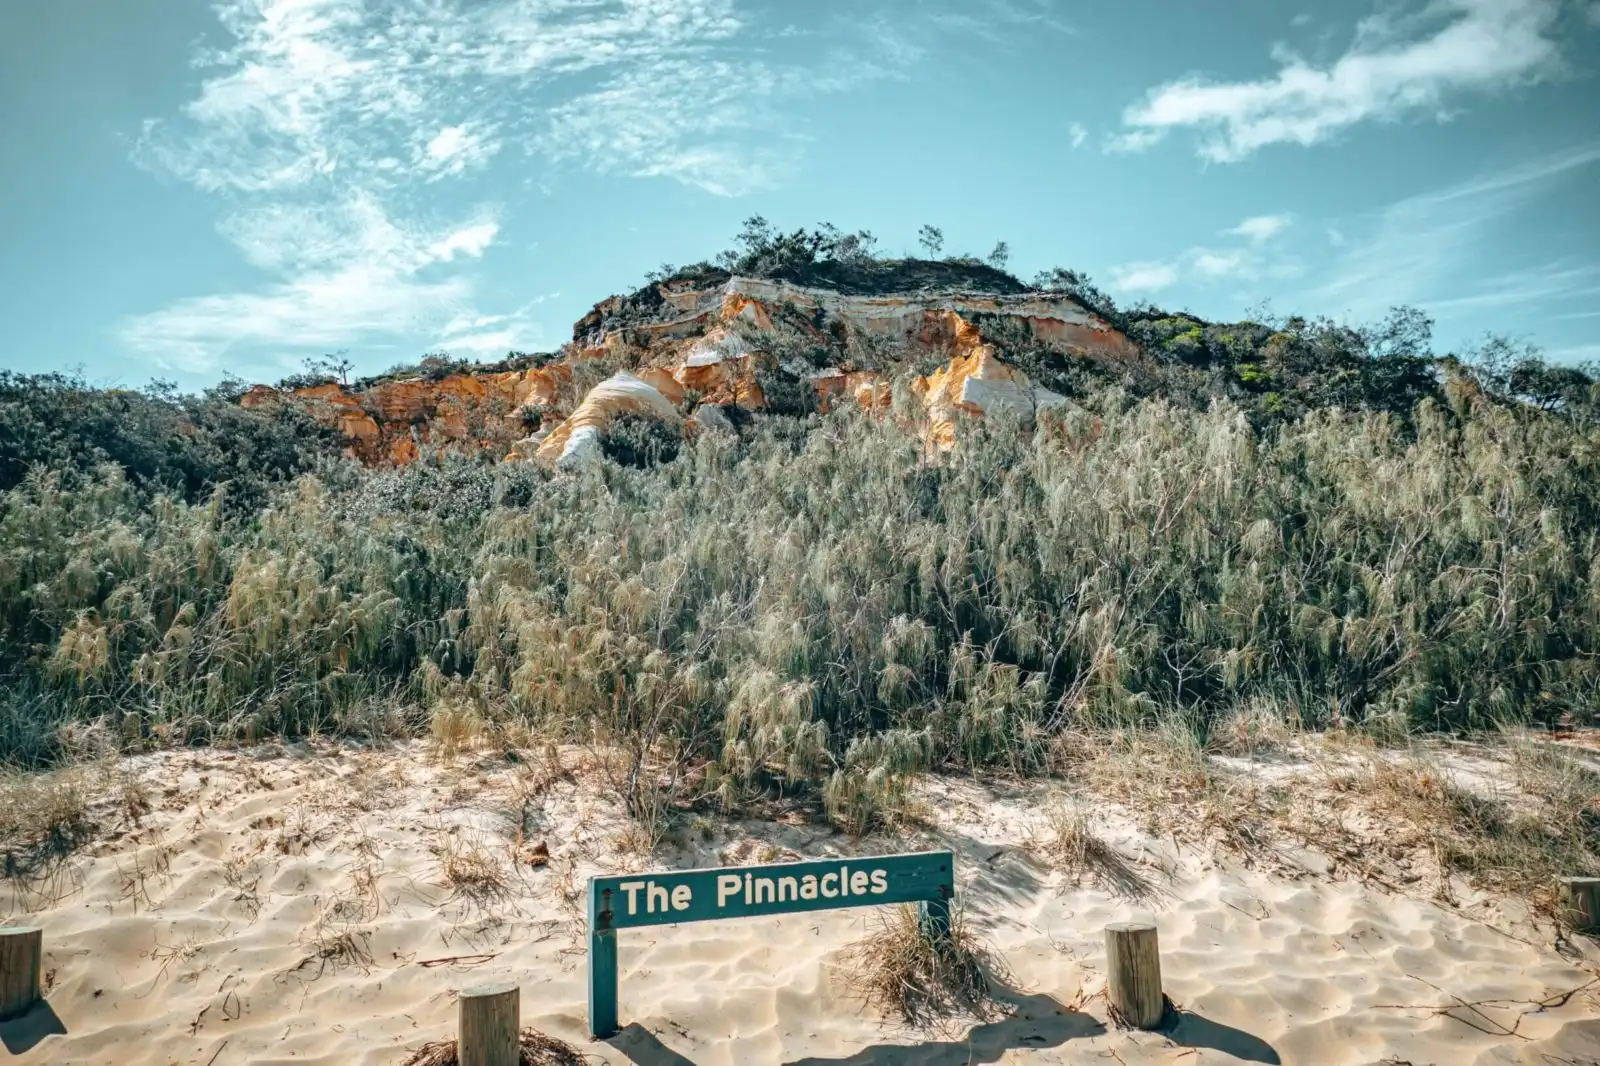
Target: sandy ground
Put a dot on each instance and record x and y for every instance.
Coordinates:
(318, 904)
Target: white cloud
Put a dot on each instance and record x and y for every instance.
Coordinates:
(290, 238)
(449, 143)
(1144, 277)
(331, 124)
(1077, 134)
(471, 240)
(1217, 264)
(1336, 237)
(314, 311)
(1261, 227)
(457, 149)
(1395, 67)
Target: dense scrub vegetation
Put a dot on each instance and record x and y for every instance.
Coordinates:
(819, 606)
(159, 439)
(1331, 520)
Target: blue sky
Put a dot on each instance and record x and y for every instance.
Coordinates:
(193, 189)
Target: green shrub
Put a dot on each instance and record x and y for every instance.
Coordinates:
(642, 441)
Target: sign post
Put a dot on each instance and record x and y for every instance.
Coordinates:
(926, 878)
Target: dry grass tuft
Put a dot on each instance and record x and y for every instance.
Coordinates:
(471, 869)
(1257, 727)
(1071, 844)
(148, 866)
(300, 831)
(336, 943)
(1518, 841)
(363, 900)
(334, 950)
(457, 721)
(1397, 816)
(43, 816)
(903, 969)
(372, 784)
(243, 875)
(537, 1050)
(1164, 776)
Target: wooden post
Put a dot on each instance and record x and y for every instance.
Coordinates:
(1581, 895)
(21, 969)
(490, 1026)
(934, 915)
(1133, 973)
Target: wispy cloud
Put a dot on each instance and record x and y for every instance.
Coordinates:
(1412, 251)
(1077, 133)
(349, 270)
(1576, 353)
(1133, 141)
(1261, 227)
(1202, 264)
(314, 87)
(997, 21)
(636, 125)
(1561, 279)
(1396, 66)
(480, 334)
(328, 126)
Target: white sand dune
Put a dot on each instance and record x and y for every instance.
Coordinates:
(294, 906)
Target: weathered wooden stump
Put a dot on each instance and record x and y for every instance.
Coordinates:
(1133, 974)
(489, 1025)
(1581, 899)
(21, 969)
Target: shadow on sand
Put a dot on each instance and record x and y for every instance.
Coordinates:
(1037, 1022)
(1191, 1030)
(24, 1032)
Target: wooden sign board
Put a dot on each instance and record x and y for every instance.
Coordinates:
(667, 898)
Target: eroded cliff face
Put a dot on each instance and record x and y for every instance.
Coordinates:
(686, 351)
(390, 421)
(719, 340)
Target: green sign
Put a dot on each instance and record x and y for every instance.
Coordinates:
(632, 900)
